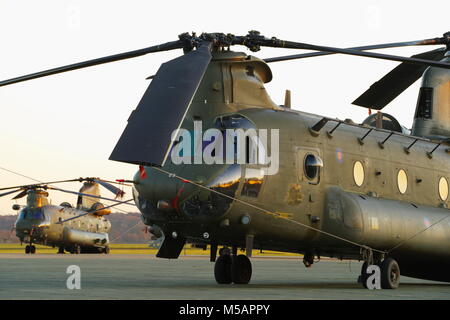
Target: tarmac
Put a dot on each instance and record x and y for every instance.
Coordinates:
(138, 277)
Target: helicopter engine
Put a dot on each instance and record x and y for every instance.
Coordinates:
(99, 209)
(432, 117)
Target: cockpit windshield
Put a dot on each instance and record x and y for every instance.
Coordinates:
(32, 214)
(253, 181)
(228, 181)
(234, 121)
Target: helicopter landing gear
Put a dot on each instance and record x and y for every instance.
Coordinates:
(232, 268)
(369, 259)
(76, 249)
(241, 269)
(308, 259)
(30, 249)
(390, 274)
(106, 250)
(61, 250)
(389, 269)
(363, 277)
(222, 269)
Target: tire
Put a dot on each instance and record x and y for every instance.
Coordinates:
(390, 274)
(106, 250)
(32, 249)
(241, 269)
(27, 249)
(222, 269)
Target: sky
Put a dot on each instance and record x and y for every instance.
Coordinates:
(66, 126)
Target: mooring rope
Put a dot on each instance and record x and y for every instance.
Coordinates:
(173, 175)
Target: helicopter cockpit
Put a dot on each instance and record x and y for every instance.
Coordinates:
(30, 218)
(211, 204)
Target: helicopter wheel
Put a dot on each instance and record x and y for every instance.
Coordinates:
(106, 250)
(390, 274)
(241, 269)
(222, 269)
(308, 260)
(27, 249)
(61, 250)
(32, 249)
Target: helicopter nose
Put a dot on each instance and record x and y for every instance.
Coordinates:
(205, 198)
(162, 190)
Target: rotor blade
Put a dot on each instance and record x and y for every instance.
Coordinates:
(40, 184)
(83, 194)
(117, 182)
(382, 92)
(434, 41)
(89, 63)
(147, 138)
(20, 195)
(298, 45)
(91, 212)
(9, 192)
(117, 192)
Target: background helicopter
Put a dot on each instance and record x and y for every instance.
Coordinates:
(326, 200)
(80, 229)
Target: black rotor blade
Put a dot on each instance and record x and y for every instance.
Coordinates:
(89, 63)
(298, 45)
(83, 194)
(117, 182)
(9, 192)
(91, 212)
(382, 92)
(117, 192)
(147, 138)
(434, 41)
(40, 184)
(21, 195)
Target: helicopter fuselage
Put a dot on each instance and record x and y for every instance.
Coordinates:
(371, 192)
(41, 225)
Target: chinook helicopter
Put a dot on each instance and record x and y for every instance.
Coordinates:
(373, 192)
(80, 229)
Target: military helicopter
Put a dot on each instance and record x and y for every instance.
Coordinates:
(372, 192)
(80, 229)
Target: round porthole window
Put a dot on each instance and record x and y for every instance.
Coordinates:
(402, 181)
(312, 166)
(443, 188)
(358, 173)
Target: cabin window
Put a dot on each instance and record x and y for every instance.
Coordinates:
(358, 173)
(253, 182)
(425, 103)
(312, 166)
(443, 188)
(402, 181)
